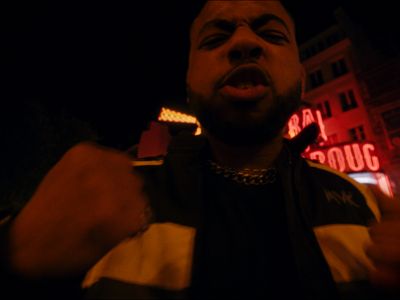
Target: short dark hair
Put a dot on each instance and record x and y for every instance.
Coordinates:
(197, 6)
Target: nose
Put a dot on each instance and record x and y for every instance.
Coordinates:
(245, 47)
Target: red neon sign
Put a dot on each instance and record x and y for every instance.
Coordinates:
(302, 119)
(355, 157)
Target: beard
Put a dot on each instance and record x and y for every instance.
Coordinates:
(244, 130)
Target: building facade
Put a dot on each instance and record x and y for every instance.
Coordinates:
(357, 92)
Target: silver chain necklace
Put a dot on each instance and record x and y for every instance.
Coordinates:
(246, 176)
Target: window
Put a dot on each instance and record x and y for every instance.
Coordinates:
(339, 68)
(316, 79)
(348, 101)
(325, 109)
(391, 119)
(357, 134)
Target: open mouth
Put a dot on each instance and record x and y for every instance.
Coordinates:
(246, 77)
(245, 83)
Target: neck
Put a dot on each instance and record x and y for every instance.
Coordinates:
(246, 157)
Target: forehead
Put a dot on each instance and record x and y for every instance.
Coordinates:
(239, 11)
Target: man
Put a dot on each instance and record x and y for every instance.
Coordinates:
(236, 213)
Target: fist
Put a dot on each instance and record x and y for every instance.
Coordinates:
(385, 248)
(89, 202)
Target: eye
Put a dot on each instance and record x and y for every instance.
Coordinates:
(213, 41)
(274, 37)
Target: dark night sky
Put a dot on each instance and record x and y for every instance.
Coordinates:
(112, 64)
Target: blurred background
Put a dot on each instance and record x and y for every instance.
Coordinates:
(101, 70)
(112, 64)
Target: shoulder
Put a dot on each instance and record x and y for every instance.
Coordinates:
(343, 212)
(337, 185)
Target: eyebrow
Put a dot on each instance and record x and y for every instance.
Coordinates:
(222, 24)
(266, 18)
(230, 26)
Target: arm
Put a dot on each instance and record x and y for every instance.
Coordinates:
(16, 286)
(88, 203)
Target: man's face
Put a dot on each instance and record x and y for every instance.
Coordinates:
(244, 76)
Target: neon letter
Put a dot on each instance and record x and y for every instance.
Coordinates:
(372, 161)
(308, 117)
(294, 128)
(322, 126)
(354, 158)
(318, 155)
(336, 159)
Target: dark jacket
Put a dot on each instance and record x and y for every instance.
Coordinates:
(327, 215)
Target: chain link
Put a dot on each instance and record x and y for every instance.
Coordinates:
(246, 176)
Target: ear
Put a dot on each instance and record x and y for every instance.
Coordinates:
(303, 79)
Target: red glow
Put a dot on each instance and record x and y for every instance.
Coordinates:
(321, 126)
(384, 184)
(372, 161)
(294, 126)
(302, 119)
(318, 155)
(336, 159)
(355, 157)
(154, 142)
(308, 117)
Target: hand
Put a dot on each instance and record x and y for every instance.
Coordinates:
(89, 202)
(385, 248)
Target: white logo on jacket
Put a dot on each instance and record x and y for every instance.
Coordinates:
(341, 198)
